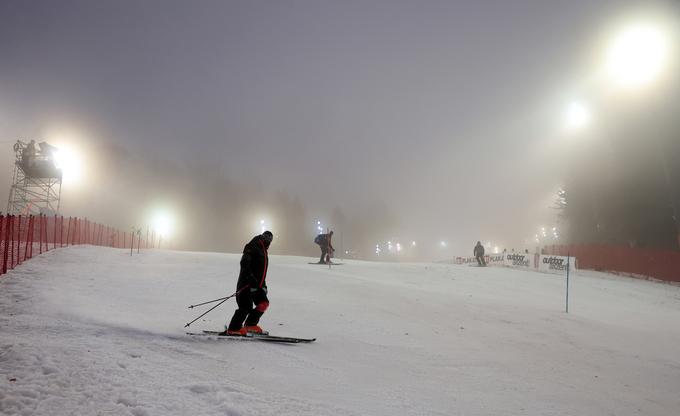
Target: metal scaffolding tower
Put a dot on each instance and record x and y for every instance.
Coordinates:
(36, 183)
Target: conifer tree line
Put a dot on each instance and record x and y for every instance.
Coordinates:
(623, 187)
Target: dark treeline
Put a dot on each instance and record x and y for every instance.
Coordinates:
(622, 187)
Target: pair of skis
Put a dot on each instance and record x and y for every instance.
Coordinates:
(254, 337)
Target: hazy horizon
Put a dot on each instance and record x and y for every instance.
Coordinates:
(388, 121)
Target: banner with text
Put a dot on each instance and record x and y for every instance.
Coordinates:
(490, 259)
(519, 260)
(556, 264)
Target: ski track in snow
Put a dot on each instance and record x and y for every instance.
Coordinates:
(94, 331)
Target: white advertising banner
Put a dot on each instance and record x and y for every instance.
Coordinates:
(494, 259)
(465, 260)
(519, 260)
(490, 259)
(556, 264)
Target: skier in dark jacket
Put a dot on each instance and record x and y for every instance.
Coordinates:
(251, 287)
(324, 242)
(479, 254)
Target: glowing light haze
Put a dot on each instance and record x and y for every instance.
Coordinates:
(578, 116)
(384, 120)
(637, 54)
(71, 164)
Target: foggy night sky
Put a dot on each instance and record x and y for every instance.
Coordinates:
(444, 113)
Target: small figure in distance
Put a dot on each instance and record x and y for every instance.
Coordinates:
(479, 254)
(324, 242)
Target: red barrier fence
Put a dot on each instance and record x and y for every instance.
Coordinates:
(657, 264)
(22, 237)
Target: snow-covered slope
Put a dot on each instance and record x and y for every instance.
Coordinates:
(94, 331)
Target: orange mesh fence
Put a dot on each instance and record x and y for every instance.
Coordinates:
(641, 262)
(23, 237)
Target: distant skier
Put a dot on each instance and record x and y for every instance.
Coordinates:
(324, 242)
(251, 287)
(479, 254)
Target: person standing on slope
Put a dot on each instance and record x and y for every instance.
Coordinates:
(479, 254)
(251, 287)
(324, 242)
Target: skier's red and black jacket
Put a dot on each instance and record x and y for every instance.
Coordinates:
(254, 263)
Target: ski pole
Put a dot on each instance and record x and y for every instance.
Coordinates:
(224, 300)
(210, 301)
(215, 300)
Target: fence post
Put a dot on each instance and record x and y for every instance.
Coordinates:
(26, 240)
(28, 220)
(4, 222)
(46, 221)
(32, 234)
(69, 236)
(567, 300)
(19, 242)
(40, 235)
(11, 236)
(46, 233)
(28, 252)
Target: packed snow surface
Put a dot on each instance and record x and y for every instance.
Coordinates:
(95, 331)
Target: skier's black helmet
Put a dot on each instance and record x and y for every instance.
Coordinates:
(268, 236)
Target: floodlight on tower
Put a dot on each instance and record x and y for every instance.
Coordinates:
(163, 223)
(637, 54)
(577, 116)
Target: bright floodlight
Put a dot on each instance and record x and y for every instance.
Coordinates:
(577, 116)
(70, 164)
(637, 55)
(163, 223)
